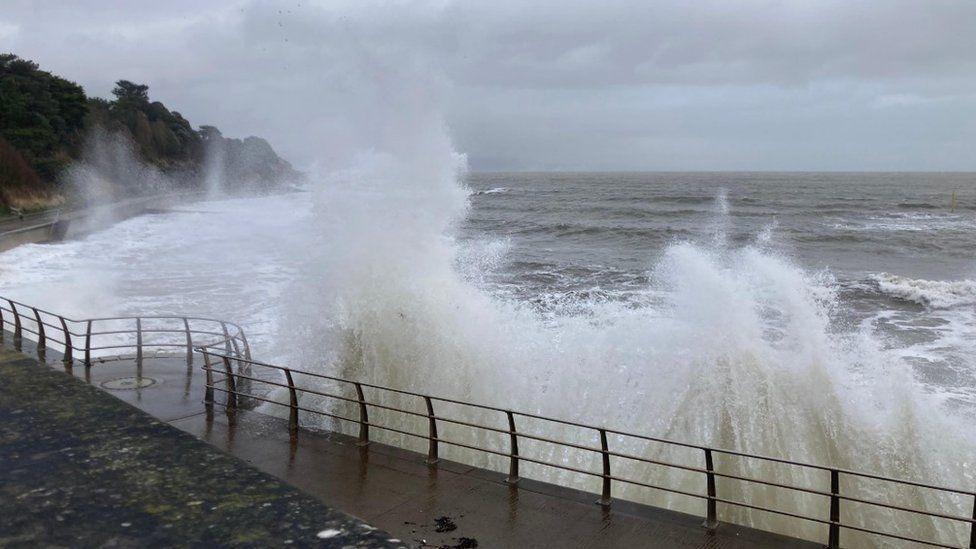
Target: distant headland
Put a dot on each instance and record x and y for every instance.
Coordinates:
(50, 131)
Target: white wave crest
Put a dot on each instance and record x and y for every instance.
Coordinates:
(938, 294)
(496, 190)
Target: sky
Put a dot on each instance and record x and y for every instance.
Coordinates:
(858, 85)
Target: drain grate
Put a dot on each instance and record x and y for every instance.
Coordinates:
(128, 383)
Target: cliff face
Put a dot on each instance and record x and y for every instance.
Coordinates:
(46, 121)
(20, 186)
(249, 162)
(162, 138)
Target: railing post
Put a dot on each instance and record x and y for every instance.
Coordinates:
(711, 518)
(138, 339)
(605, 498)
(18, 331)
(833, 537)
(293, 414)
(208, 396)
(1, 324)
(237, 349)
(230, 348)
(972, 527)
(88, 345)
(247, 347)
(513, 465)
(242, 367)
(363, 416)
(189, 342)
(431, 433)
(223, 328)
(68, 348)
(41, 338)
(231, 384)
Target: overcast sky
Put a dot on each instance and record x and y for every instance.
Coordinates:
(561, 85)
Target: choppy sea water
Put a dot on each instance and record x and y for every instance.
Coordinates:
(821, 317)
(900, 249)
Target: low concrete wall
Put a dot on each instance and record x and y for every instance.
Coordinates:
(80, 222)
(26, 235)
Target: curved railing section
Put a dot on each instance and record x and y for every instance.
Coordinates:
(93, 340)
(235, 385)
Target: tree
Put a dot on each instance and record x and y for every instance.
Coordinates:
(130, 93)
(44, 120)
(208, 133)
(11, 64)
(41, 115)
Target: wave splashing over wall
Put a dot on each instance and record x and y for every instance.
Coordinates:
(742, 352)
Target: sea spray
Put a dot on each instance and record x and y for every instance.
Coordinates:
(739, 347)
(743, 353)
(742, 359)
(215, 168)
(110, 169)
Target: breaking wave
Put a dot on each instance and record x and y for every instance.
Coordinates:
(739, 348)
(937, 294)
(729, 345)
(496, 190)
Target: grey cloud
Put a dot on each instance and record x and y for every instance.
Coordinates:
(710, 42)
(760, 84)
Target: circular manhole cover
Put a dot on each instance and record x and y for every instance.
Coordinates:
(124, 383)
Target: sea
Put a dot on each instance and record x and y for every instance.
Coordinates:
(823, 317)
(897, 250)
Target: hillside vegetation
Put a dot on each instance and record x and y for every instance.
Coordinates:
(47, 123)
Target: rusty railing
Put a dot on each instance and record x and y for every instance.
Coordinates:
(230, 382)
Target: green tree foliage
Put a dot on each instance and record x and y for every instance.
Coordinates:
(41, 115)
(44, 120)
(130, 94)
(163, 137)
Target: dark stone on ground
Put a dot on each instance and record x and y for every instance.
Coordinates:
(444, 524)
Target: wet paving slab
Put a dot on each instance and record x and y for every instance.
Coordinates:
(448, 505)
(451, 504)
(79, 468)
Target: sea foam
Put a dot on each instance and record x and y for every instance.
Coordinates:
(937, 294)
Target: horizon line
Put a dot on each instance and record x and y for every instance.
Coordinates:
(945, 172)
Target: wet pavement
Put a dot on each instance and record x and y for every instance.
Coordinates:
(79, 468)
(396, 490)
(450, 505)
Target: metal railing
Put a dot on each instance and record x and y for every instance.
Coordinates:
(224, 345)
(110, 338)
(19, 218)
(231, 383)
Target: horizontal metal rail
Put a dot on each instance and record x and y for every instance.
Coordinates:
(217, 362)
(85, 338)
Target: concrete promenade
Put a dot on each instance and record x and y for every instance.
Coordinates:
(79, 468)
(449, 505)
